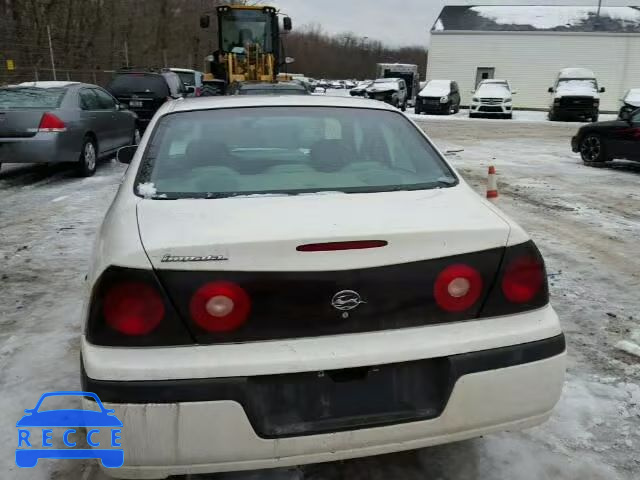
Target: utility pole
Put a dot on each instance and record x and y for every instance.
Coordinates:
(53, 63)
(599, 7)
(164, 57)
(126, 54)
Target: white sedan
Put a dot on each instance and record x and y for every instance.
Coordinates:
(290, 280)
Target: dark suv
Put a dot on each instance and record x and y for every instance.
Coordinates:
(143, 92)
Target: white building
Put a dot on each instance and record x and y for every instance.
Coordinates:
(528, 45)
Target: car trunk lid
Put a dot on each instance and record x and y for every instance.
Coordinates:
(20, 123)
(253, 242)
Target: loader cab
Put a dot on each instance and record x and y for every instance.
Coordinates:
(248, 42)
(243, 28)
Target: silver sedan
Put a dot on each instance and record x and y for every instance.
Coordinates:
(53, 122)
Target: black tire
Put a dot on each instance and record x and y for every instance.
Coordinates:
(593, 150)
(509, 116)
(594, 119)
(404, 106)
(418, 111)
(472, 115)
(88, 157)
(552, 116)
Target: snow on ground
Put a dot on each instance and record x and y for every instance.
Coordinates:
(586, 221)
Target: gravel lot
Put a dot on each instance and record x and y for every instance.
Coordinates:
(585, 220)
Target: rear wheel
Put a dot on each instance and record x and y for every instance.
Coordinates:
(592, 149)
(88, 158)
(404, 106)
(417, 110)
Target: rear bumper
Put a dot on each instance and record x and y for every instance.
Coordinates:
(186, 410)
(163, 439)
(433, 107)
(41, 148)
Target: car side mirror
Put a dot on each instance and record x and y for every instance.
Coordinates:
(125, 154)
(205, 20)
(602, 89)
(287, 24)
(514, 92)
(472, 92)
(550, 90)
(625, 115)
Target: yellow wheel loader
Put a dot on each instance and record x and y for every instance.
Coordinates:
(249, 44)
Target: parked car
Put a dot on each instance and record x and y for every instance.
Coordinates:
(439, 96)
(389, 90)
(575, 95)
(493, 98)
(337, 85)
(144, 92)
(280, 88)
(630, 102)
(360, 90)
(277, 288)
(604, 141)
(191, 79)
(54, 122)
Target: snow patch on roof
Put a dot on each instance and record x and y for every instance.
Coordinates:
(576, 73)
(436, 88)
(539, 18)
(549, 17)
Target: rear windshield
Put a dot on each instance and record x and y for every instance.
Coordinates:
(31, 97)
(293, 150)
(139, 83)
(272, 91)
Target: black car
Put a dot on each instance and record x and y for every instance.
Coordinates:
(280, 88)
(603, 141)
(439, 96)
(144, 92)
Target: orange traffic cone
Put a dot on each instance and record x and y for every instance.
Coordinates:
(492, 183)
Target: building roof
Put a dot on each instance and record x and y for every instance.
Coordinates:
(539, 18)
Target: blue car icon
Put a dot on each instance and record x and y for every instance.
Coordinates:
(105, 418)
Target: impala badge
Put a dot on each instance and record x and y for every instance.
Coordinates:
(345, 301)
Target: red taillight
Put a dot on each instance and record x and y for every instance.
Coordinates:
(523, 279)
(220, 307)
(133, 308)
(336, 246)
(457, 288)
(51, 123)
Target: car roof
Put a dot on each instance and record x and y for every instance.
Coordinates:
(51, 84)
(494, 80)
(274, 86)
(183, 70)
(244, 101)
